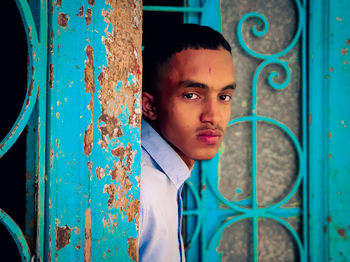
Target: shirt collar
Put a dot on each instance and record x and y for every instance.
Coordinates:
(164, 155)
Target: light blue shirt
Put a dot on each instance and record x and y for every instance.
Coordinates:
(163, 174)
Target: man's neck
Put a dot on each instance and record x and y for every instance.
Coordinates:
(189, 162)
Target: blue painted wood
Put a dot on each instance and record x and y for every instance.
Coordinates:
(93, 144)
(329, 118)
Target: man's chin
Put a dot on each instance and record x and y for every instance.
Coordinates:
(206, 156)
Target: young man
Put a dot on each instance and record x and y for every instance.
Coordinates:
(188, 82)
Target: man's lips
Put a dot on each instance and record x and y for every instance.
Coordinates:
(210, 137)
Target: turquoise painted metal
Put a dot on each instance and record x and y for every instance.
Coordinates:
(329, 133)
(252, 211)
(17, 235)
(35, 26)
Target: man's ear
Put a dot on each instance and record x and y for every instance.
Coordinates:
(148, 107)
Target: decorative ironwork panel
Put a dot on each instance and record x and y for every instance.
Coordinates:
(250, 201)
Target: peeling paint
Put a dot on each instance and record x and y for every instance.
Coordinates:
(30, 33)
(51, 76)
(81, 11)
(111, 190)
(344, 51)
(88, 15)
(51, 155)
(58, 3)
(63, 19)
(120, 83)
(309, 120)
(52, 35)
(87, 236)
(100, 173)
(339, 19)
(88, 140)
(133, 248)
(62, 235)
(91, 2)
(89, 164)
(89, 78)
(79, 245)
(120, 43)
(342, 232)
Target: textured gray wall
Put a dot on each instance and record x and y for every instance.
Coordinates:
(276, 157)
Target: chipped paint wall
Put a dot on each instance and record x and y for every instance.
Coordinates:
(93, 168)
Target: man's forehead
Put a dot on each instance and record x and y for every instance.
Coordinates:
(203, 61)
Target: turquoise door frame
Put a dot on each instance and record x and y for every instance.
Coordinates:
(329, 130)
(83, 143)
(93, 130)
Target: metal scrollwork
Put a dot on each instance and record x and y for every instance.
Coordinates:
(253, 211)
(34, 71)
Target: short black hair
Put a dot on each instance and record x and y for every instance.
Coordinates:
(164, 44)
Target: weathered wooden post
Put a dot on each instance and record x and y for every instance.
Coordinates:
(83, 144)
(93, 169)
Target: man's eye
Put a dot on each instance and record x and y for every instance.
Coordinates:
(225, 98)
(190, 96)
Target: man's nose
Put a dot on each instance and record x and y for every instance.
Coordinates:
(211, 112)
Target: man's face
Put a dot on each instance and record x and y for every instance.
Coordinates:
(193, 107)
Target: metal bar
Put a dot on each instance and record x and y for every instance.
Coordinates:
(17, 235)
(41, 161)
(172, 9)
(305, 214)
(203, 194)
(32, 88)
(192, 17)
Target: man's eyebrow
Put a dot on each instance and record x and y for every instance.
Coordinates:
(231, 86)
(191, 83)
